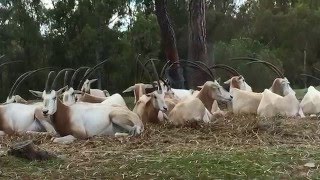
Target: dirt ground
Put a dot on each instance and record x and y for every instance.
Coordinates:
(232, 147)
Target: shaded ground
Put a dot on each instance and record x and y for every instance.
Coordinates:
(242, 146)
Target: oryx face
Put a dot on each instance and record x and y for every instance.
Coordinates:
(243, 84)
(285, 85)
(49, 102)
(87, 85)
(69, 97)
(218, 92)
(238, 82)
(157, 100)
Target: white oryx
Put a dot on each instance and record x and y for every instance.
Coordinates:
(86, 83)
(196, 109)
(84, 120)
(310, 103)
(250, 102)
(20, 117)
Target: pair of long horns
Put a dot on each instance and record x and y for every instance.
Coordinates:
(90, 71)
(144, 68)
(21, 78)
(268, 64)
(308, 75)
(76, 72)
(197, 64)
(227, 68)
(54, 78)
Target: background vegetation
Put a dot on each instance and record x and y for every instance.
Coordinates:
(83, 32)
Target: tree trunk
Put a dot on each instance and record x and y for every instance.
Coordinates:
(169, 42)
(197, 41)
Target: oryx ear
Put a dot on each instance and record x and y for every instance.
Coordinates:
(36, 93)
(78, 92)
(106, 93)
(92, 80)
(61, 90)
(228, 81)
(131, 88)
(218, 80)
(200, 87)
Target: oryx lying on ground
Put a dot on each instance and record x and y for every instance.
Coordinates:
(198, 108)
(310, 103)
(86, 83)
(19, 118)
(249, 102)
(84, 120)
(280, 99)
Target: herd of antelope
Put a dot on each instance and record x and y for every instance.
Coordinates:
(70, 112)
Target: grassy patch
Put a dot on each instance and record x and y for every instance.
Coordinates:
(275, 162)
(233, 147)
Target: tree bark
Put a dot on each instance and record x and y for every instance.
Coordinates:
(197, 50)
(169, 42)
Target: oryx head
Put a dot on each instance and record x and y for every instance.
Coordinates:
(87, 85)
(49, 95)
(239, 83)
(157, 100)
(215, 91)
(69, 96)
(282, 87)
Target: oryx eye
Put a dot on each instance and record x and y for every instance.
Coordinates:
(55, 98)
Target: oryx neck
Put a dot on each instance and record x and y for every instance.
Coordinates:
(61, 119)
(205, 96)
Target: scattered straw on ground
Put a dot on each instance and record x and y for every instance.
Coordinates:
(165, 151)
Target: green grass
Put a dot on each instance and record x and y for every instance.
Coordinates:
(261, 163)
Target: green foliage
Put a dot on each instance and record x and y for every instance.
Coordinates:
(78, 32)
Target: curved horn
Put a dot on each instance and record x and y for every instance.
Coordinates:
(307, 75)
(76, 72)
(227, 68)
(255, 60)
(317, 69)
(206, 66)
(88, 73)
(156, 73)
(50, 75)
(271, 66)
(244, 59)
(9, 62)
(194, 65)
(22, 78)
(54, 83)
(66, 77)
(164, 68)
(144, 69)
(147, 62)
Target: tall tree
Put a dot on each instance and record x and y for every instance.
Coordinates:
(197, 50)
(169, 43)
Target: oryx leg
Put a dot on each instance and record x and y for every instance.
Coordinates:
(64, 140)
(122, 124)
(207, 116)
(49, 128)
(301, 114)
